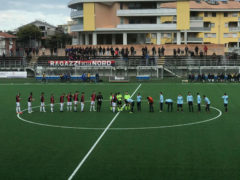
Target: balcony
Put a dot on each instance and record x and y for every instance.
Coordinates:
(147, 27)
(234, 29)
(190, 40)
(193, 18)
(77, 27)
(196, 18)
(77, 14)
(74, 3)
(194, 39)
(199, 29)
(147, 12)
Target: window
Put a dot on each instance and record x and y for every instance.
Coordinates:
(225, 14)
(230, 35)
(154, 35)
(122, 20)
(205, 14)
(210, 35)
(234, 14)
(166, 35)
(121, 5)
(214, 14)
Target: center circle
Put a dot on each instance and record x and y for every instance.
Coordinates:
(124, 128)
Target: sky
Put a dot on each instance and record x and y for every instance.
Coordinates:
(15, 13)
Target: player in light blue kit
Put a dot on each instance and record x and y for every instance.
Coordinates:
(179, 102)
(225, 101)
(199, 100)
(190, 102)
(139, 102)
(161, 102)
(169, 103)
(131, 103)
(207, 102)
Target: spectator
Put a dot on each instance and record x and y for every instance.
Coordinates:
(43, 51)
(178, 51)
(163, 51)
(196, 50)
(205, 50)
(174, 52)
(37, 51)
(104, 51)
(159, 52)
(132, 51)
(147, 59)
(186, 50)
(153, 51)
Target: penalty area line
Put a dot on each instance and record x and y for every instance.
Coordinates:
(98, 140)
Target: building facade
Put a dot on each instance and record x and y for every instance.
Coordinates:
(155, 22)
(7, 44)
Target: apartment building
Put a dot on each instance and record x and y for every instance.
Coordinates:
(7, 44)
(155, 22)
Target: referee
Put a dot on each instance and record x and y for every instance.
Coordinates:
(99, 101)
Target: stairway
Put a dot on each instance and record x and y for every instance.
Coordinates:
(161, 61)
(171, 72)
(33, 61)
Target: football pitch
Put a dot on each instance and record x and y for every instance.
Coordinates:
(107, 146)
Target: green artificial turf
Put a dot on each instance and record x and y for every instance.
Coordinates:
(208, 150)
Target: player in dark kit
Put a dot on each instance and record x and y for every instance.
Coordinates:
(93, 99)
(99, 101)
(114, 102)
(42, 106)
(75, 99)
(69, 102)
(62, 102)
(30, 99)
(18, 108)
(82, 101)
(52, 101)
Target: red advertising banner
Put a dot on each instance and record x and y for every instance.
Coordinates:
(81, 63)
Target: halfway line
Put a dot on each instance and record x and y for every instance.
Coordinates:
(98, 140)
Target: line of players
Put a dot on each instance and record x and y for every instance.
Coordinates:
(116, 102)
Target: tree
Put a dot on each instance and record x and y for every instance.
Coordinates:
(59, 40)
(27, 33)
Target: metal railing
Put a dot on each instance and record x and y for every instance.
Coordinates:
(146, 12)
(200, 28)
(12, 64)
(77, 27)
(234, 29)
(76, 14)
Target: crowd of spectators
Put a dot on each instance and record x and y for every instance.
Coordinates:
(86, 53)
(187, 52)
(83, 53)
(218, 77)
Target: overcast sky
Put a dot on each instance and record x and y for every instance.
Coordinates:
(15, 13)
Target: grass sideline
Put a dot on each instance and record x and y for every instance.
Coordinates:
(203, 151)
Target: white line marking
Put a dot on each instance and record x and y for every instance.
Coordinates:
(109, 84)
(122, 129)
(100, 137)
